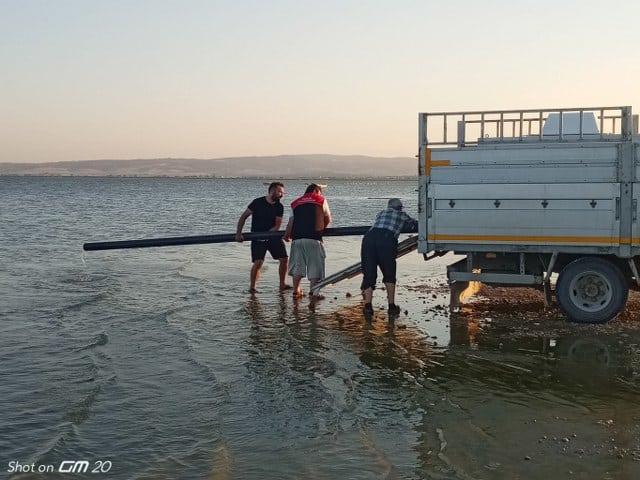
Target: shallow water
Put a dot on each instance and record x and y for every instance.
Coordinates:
(157, 364)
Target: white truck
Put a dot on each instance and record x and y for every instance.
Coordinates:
(528, 194)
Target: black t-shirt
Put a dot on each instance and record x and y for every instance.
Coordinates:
(263, 214)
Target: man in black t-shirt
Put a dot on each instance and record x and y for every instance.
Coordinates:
(266, 213)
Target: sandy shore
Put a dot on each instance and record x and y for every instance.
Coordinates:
(526, 306)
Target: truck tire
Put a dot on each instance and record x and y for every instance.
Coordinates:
(591, 290)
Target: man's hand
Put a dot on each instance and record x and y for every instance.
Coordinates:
(246, 214)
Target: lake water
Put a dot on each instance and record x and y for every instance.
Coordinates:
(157, 364)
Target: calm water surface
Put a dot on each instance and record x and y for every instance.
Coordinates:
(156, 363)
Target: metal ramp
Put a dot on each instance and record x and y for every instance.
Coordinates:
(404, 247)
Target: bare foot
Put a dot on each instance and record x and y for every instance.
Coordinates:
(298, 293)
(285, 287)
(313, 300)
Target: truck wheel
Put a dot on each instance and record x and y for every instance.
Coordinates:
(591, 290)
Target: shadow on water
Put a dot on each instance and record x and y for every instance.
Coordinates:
(499, 401)
(536, 403)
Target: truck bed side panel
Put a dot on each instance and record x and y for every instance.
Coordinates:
(522, 196)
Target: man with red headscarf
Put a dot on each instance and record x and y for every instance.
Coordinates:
(310, 217)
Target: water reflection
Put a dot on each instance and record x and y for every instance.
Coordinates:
(588, 362)
(477, 350)
(498, 401)
(594, 363)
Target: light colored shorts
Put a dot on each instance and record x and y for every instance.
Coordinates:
(306, 258)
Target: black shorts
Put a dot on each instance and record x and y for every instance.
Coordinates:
(379, 249)
(275, 246)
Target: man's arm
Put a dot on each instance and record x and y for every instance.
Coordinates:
(246, 214)
(327, 214)
(276, 227)
(409, 221)
(288, 230)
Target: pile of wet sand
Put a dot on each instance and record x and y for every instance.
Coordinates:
(526, 306)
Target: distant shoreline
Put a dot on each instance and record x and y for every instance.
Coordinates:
(216, 177)
(319, 166)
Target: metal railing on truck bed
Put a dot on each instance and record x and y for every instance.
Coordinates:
(472, 128)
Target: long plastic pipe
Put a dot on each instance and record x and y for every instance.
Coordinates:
(221, 238)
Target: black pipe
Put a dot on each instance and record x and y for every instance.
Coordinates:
(221, 238)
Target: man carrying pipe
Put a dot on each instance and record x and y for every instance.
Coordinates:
(311, 215)
(380, 249)
(266, 213)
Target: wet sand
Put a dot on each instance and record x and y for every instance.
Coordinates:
(527, 305)
(527, 394)
(509, 388)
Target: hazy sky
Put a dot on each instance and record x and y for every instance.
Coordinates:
(115, 79)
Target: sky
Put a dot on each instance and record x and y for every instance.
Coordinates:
(124, 79)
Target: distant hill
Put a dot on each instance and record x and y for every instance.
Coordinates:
(281, 166)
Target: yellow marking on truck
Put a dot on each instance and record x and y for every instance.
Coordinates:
(440, 237)
(429, 162)
(440, 163)
(630, 240)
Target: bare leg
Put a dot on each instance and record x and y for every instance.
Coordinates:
(394, 309)
(391, 292)
(312, 283)
(284, 264)
(367, 294)
(316, 297)
(297, 291)
(255, 274)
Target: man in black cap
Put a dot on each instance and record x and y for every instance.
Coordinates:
(380, 249)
